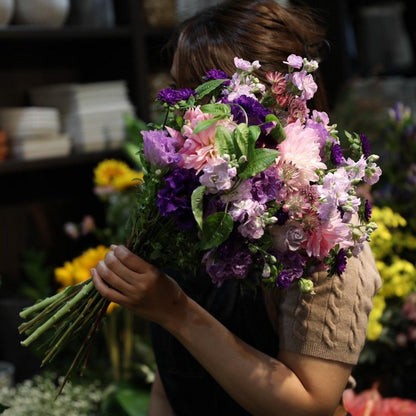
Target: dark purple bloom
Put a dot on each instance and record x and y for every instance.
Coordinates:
(340, 262)
(293, 265)
(171, 96)
(256, 112)
(264, 186)
(231, 260)
(337, 156)
(159, 149)
(365, 143)
(174, 199)
(367, 210)
(281, 216)
(215, 74)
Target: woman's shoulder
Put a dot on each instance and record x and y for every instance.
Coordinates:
(331, 323)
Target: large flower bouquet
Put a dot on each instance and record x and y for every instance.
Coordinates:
(240, 180)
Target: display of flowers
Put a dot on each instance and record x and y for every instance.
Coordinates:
(241, 181)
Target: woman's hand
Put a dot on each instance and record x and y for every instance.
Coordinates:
(126, 279)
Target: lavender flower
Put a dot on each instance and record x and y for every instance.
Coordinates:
(216, 74)
(159, 149)
(265, 186)
(293, 264)
(365, 145)
(218, 177)
(340, 262)
(171, 96)
(175, 198)
(337, 156)
(231, 260)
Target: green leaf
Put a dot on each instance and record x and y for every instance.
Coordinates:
(224, 141)
(262, 159)
(278, 133)
(134, 402)
(207, 87)
(216, 109)
(216, 229)
(241, 136)
(205, 124)
(196, 202)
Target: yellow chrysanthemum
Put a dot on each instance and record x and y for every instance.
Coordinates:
(374, 326)
(117, 174)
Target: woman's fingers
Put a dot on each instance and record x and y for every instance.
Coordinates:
(130, 260)
(106, 291)
(114, 264)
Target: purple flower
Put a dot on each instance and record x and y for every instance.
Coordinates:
(293, 264)
(171, 96)
(365, 145)
(340, 262)
(231, 260)
(265, 186)
(337, 156)
(367, 210)
(216, 74)
(281, 216)
(256, 112)
(175, 198)
(159, 149)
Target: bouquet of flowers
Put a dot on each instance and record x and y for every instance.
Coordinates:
(242, 181)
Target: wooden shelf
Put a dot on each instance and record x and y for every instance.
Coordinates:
(36, 33)
(14, 166)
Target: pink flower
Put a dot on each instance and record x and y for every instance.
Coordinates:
(301, 150)
(198, 149)
(298, 110)
(246, 65)
(305, 83)
(294, 61)
(371, 403)
(330, 233)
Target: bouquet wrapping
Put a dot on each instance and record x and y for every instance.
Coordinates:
(241, 181)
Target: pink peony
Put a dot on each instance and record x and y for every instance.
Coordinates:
(301, 150)
(198, 149)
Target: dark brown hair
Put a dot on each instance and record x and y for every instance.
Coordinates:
(250, 29)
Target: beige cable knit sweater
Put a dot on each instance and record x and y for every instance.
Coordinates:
(332, 323)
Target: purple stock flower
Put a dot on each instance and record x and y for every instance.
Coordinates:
(293, 264)
(367, 210)
(337, 156)
(175, 198)
(256, 112)
(216, 74)
(340, 262)
(231, 260)
(159, 149)
(264, 186)
(365, 145)
(171, 96)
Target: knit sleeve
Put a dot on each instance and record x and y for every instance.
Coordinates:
(332, 323)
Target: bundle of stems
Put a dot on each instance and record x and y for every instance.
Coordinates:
(71, 313)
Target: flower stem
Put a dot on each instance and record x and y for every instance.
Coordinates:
(64, 310)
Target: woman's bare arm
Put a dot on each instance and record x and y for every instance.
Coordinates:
(159, 404)
(292, 384)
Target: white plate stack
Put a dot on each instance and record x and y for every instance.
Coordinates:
(92, 114)
(34, 132)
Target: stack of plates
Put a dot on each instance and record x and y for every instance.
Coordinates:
(34, 132)
(91, 114)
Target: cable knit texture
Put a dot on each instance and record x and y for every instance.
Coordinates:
(331, 324)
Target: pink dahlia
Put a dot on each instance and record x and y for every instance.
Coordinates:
(300, 149)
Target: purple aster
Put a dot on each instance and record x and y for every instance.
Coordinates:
(367, 210)
(216, 74)
(175, 198)
(264, 186)
(365, 143)
(159, 149)
(340, 262)
(337, 156)
(171, 96)
(231, 260)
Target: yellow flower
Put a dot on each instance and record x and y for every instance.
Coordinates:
(116, 174)
(374, 326)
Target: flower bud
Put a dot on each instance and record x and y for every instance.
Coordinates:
(306, 286)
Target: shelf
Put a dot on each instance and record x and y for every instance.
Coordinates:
(11, 166)
(28, 33)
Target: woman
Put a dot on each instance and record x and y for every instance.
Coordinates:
(224, 351)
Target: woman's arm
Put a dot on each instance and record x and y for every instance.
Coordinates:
(292, 384)
(159, 404)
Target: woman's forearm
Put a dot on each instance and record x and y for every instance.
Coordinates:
(261, 384)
